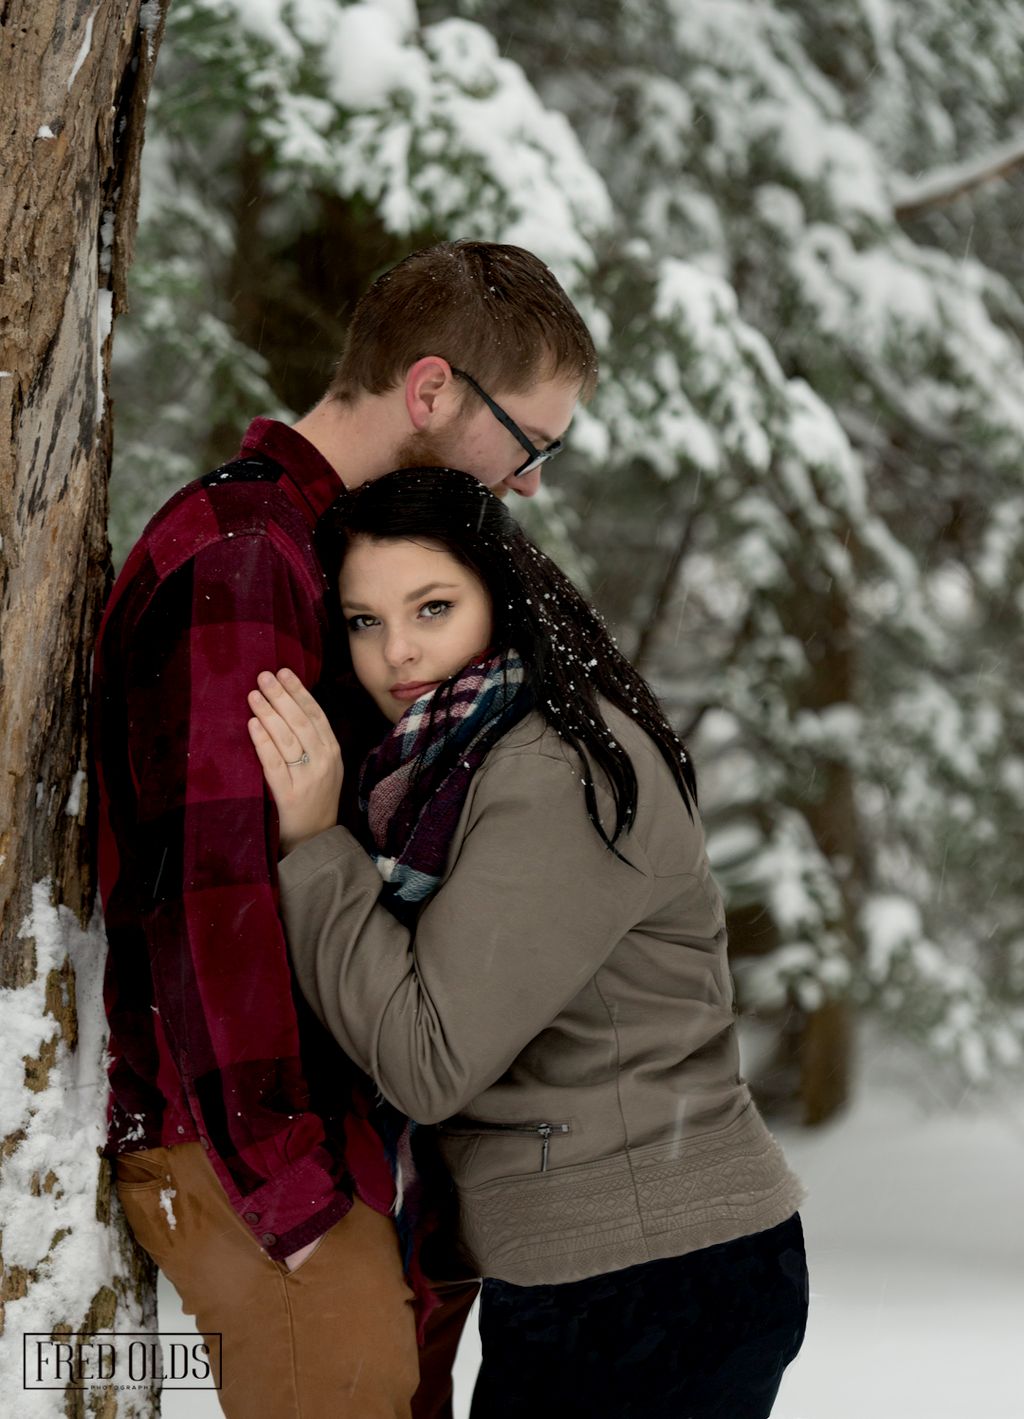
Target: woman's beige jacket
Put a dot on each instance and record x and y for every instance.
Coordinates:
(565, 1016)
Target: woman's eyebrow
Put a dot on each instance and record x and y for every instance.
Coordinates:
(413, 595)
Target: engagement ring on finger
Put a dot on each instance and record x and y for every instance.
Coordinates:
(291, 763)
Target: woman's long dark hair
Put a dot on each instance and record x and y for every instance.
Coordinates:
(567, 651)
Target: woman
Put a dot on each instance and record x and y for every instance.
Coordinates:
(532, 957)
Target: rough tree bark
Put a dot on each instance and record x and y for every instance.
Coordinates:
(76, 75)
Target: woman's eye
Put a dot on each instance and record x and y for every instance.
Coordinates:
(445, 607)
(354, 622)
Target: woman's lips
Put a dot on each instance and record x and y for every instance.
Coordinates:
(413, 692)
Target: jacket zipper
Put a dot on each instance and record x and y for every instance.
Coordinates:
(545, 1130)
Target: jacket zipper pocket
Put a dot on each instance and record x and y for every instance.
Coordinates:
(544, 1130)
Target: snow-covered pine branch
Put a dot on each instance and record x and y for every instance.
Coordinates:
(914, 196)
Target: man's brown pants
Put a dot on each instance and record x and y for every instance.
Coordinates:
(333, 1339)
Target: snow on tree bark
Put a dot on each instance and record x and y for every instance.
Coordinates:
(76, 80)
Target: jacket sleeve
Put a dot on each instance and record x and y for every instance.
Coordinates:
(206, 850)
(531, 907)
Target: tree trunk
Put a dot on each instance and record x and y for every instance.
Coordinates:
(76, 78)
(826, 1040)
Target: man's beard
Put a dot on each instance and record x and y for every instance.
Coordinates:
(424, 450)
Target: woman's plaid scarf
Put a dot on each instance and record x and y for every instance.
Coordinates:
(412, 789)
(414, 784)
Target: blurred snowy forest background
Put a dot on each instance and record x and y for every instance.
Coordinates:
(797, 495)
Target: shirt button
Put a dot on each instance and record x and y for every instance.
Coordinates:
(252, 1216)
(206, 1143)
(268, 1239)
(181, 1128)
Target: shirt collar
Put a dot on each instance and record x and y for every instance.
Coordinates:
(317, 484)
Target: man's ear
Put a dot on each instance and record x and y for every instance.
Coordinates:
(429, 391)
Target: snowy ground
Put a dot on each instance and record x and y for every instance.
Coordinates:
(915, 1240)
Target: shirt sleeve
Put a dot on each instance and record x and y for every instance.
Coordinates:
(531, 908)
(208, 839)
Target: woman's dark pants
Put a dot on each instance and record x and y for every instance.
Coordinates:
(701, 1336)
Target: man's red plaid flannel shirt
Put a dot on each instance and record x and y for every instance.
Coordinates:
(209, 1040)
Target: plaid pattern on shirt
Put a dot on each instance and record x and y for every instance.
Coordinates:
(208, 1038)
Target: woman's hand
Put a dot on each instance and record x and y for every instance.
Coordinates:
(289, 725)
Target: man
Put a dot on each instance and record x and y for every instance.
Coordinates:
(251, 1160)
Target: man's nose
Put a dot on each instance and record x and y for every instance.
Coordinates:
(526, 484)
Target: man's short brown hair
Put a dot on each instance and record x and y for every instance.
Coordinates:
(493, 310)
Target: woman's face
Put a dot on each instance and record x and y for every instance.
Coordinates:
(415, 616)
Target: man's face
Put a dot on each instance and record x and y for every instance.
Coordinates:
(474, 440)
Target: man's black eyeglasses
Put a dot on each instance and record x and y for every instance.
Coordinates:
(537, 456)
